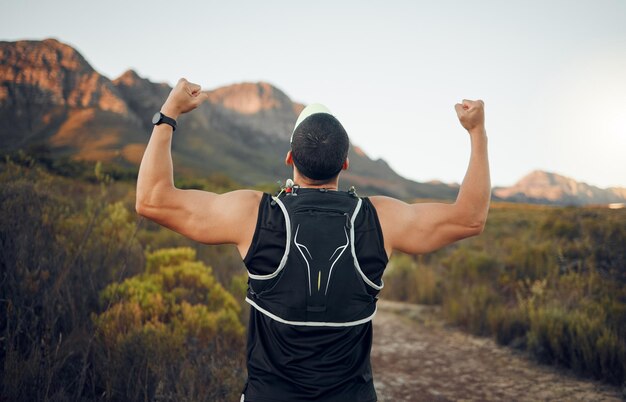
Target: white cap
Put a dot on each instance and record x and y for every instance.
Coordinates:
(311, 109)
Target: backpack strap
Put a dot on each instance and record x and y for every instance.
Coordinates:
(283, 260)
(352, 247)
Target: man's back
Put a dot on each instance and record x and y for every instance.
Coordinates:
(328, 357)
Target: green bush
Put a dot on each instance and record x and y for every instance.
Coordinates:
(169, 333)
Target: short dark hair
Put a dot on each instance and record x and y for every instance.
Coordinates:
(319, 147)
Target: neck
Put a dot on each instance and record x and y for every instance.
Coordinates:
(325, 186)
(304, 182)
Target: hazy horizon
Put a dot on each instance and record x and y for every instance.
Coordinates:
(551, 75)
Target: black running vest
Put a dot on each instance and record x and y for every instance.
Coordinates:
(315, 268)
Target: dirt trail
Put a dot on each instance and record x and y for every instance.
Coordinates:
(415, 357)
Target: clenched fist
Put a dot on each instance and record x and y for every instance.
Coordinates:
(183, 98)
(471, 115)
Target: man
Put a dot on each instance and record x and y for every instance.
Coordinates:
(315, 256)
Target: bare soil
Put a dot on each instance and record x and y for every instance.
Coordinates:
(417, 357)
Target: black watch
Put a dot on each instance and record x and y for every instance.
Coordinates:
(160, 118)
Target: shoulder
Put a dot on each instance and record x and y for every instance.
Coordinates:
(392, 214)
(241, 201)
(385, 205)
(246, 195)
(246, 204)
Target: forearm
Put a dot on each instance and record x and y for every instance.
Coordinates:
(475, 192)
(156, 172)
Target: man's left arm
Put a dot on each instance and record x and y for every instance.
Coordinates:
(424, 227)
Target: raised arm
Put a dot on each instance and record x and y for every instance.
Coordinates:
(425, 227)
(200, 215)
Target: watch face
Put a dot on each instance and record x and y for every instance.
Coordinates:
(156, 117)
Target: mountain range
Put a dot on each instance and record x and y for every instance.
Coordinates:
(49, 94)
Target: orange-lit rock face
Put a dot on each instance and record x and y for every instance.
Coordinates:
(133, 152)
(297, 108)
(257, 108)
(129, 78)
(246, 98)
(359, 151)
(110, 102)
(58, 73)
(70, 132)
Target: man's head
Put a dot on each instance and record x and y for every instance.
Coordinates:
(319, 144)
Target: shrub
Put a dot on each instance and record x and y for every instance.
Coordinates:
(407, 280)
(172, 333)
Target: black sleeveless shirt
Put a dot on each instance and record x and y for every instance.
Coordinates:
(316, 352)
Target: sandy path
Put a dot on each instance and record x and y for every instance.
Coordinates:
(415, 357)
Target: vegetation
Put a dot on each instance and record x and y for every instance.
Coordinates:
(549, 280)
(95, 307)
(169, 333)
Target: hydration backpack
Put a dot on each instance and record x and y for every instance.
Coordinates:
(319, 281)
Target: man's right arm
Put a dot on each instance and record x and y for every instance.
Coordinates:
(425, 227)
(199, 215)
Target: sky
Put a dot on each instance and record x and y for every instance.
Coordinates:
(552, 74)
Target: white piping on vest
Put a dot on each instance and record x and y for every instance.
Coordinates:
(356, 261)
(283, 261)
(343, 248)
(299, 247)
(312, 323)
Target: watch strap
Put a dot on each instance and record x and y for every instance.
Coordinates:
(165, 119)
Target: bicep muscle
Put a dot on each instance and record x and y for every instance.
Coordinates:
(420, 228)
(208, 217)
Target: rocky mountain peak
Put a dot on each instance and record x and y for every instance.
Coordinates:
(43, 54)
(250, 98)
(57, 73)
(259, 108)
(552, 182)
(128, 78)
(143, 97)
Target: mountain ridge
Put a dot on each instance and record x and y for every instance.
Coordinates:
(50, 94)
(540, 186)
